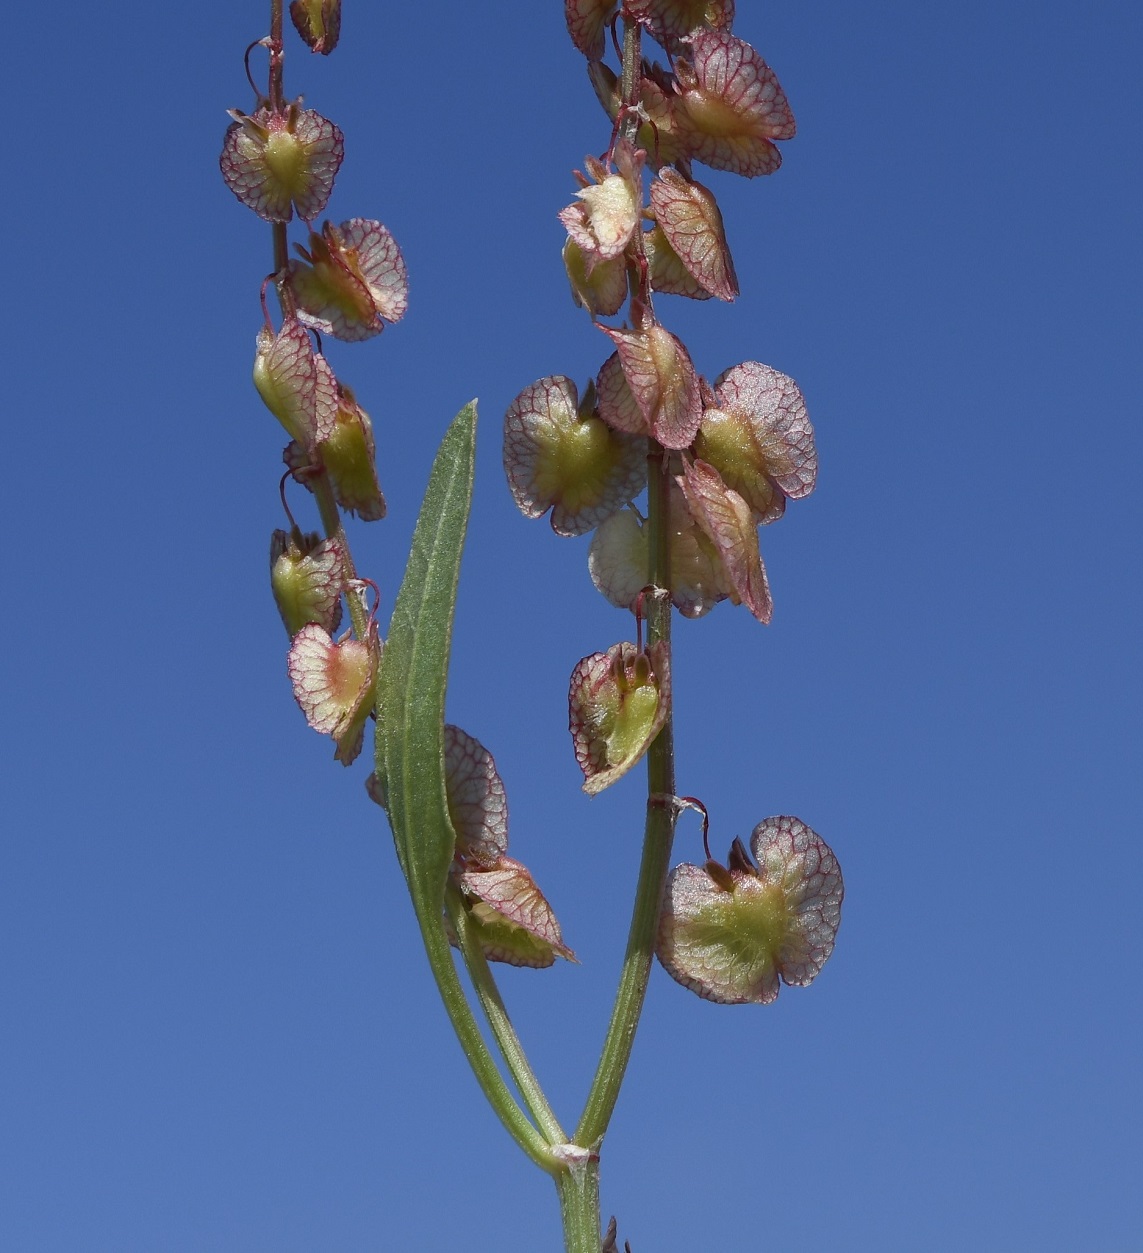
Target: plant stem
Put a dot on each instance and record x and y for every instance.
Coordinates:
(501, 1025)
(276, 98)
(630, 80)
(578, 1189)
(657, 839)
(327, 506)
(331, 521)
(476, 1050)
(277, 54)
(660, 822)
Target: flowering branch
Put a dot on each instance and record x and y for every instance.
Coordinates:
(717, 462)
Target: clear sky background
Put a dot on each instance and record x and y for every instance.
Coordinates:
(217, 1031)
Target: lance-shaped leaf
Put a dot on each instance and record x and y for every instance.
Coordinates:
(600, 290)
(665, 267)
(295, 383)
(477, 803)
(307, 574)
(618, 561)
(318, 22)
(511, 917)
(411, 691)
(731, 933)
(276, 162)
(586, 21)
(670, 20)
(728, 522)
(558, 458)
(618, 703)
(333, 684)
(691, 220)
(659, 136)
(607, 213)
(663, 381)
(731, 106)
(351, 281)
(772, 407)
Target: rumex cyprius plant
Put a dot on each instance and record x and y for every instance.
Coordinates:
(674, 476)
(281, 161)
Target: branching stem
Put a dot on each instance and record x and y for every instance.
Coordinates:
(579, 1192)
(657, 840)
(501, 1025)
(479, 1058)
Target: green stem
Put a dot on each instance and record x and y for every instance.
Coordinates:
(277, 54)
(476, 1050)
(657, 839)
(578, 1189)
(501, 1025)
(331, 521)
(327, 506)
(630, 80)
(276, 97)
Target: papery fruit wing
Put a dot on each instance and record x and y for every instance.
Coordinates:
(668, 273)
(349, 457)
(477, 804)
(318, 22)
(662, 379)
(661, 135)
(732, 106)
(669, 20)
(331, 681)
(602, 291)
(530, 427)
(380, 264)
(509, 889)
(617, 558)
(577, 466)
(794, 858)
(295, 389)
(774, 405)
(503, 941)
(334, 301)
(605, 215)
(729, 524)
(617, 404)
(618, 703)
(344, 292)
(718, 943)
(274, 162)
(307, 580)
(324, 147)
(726, 441)
(586, 22)
(689, 217)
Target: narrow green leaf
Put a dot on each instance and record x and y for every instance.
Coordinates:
(414, 674)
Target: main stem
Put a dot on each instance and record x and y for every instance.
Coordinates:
(657, 839)
(327, 506)
(579, 1189)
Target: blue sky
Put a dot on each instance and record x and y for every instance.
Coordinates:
(217, 1029)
